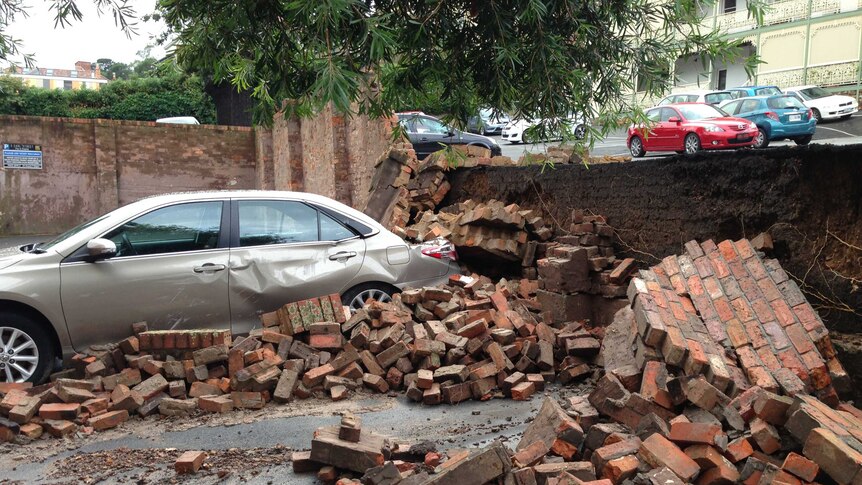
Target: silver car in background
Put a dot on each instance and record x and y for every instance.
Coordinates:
(196, 260)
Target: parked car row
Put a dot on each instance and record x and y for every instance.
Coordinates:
(742, 117)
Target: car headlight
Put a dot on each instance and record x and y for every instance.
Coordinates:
(713, 128)
(752, 126)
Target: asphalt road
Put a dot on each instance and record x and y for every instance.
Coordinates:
(842, 132)
(466, 425)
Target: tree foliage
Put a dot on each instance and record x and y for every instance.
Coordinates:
(537, 59)
(144, 99)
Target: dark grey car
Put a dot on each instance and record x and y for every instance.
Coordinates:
(428, 135)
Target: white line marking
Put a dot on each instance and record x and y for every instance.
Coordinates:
(839, 131)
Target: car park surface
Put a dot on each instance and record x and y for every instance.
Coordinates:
(195, 260)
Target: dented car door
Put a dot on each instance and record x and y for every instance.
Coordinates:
(284, 251)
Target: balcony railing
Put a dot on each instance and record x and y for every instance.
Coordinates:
(778, 13)
(835, 74)
(782, 79)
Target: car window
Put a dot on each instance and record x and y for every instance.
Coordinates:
(715, 98)
(407, 125)
(693, 112)
(814, 93)
(264, 222)
(666, 100)
(736, 94)
(732, 107)
(691, 98)
(654, 115)
(767, 91)
(749, 105)
(430, 126)
(784, 102)
(332, 230)
(178, 228)
(667, 114)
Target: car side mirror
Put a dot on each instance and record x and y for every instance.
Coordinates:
(100, 248)
(674, 119)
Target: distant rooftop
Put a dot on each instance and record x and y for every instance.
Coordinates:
(83, 70)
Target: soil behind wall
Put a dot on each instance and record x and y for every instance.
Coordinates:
(809, 199)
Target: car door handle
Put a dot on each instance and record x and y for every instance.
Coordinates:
(423, 139)
(209, 268)
(342, 255)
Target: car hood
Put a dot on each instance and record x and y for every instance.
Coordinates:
(834, 100)
(10, 256)
(729, 123)
(465, 137)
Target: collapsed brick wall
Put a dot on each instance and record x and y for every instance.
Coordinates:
(806, 198)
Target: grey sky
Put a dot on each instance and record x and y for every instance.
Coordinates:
(92, 38)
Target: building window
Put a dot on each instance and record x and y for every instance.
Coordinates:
(67, 85)
(729, 6)
(722, 79)
(46, 83)
(49, 72)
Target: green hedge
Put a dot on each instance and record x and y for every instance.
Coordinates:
(145, 99)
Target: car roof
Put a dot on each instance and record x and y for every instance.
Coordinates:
(698, 92)
(798, 88)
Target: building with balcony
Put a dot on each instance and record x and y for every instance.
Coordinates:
(800, 42)
(85, 75)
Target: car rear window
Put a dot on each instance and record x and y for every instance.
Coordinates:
(715, 98)
(784, 102)
(766, 91)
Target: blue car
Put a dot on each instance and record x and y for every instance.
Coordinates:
(777, 118)
(748, 91)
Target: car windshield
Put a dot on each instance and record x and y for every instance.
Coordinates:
(784, 102)
(69, 233)
(813, 93)
(767, 91)
(694, 112)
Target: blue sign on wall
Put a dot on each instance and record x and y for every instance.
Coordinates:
(19, 155)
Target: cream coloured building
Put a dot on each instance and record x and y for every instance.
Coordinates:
(800, 42)
(85, 75)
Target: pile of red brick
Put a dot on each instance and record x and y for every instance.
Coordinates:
(584, 262)
(403, 186)
(490, 228)
(733, 378)
(469, 340)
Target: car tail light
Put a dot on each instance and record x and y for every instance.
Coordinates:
(771, 115)
(810, 113)
(443, 251)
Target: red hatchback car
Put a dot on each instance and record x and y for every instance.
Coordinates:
(689, 128)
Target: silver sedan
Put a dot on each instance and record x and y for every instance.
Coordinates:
(196, 260)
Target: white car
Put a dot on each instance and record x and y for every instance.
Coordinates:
(826, 106)
(179, 120)
(709, 97)
(514, 130)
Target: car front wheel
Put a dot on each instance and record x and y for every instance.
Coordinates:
(692, 143)
(761, 140)
(636, 146)
(817, 115)
(356, 297)
(25, 349)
